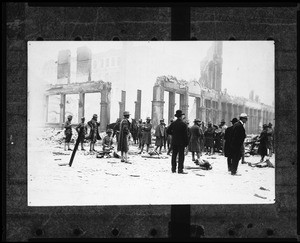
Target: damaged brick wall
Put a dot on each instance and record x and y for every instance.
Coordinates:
(25, 23)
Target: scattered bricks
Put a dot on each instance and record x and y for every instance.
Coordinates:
(286, 60)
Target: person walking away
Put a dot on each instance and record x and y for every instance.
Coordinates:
(94, 133)
(217, 139)
(263, 143)
(146, 129)
(179, 131)
(237, 142)
(227, 142)
(209, 138)
(123, 145)
(195, 141)
(68, 132)
(82, 131)
(160, 136)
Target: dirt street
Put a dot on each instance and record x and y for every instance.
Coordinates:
(108, 181)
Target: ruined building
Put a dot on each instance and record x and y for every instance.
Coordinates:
(211, 103)
(72, 89)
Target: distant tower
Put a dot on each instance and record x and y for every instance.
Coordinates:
(218, 60)
(211, 67)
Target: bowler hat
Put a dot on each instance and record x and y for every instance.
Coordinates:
(126, 113)
(70, 116)
(148, 118)
(234, 120)
(243, 115)
(95, 115)
(179, 113)
(109, 130)
(197, 120)
(162, 120)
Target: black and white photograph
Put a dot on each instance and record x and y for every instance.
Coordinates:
(150, 123)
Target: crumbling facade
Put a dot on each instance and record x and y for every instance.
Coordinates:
(211, 103)
(81, 87)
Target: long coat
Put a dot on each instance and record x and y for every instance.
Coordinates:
(263, 143)
(209, 137)
(94, 133)
(179, 131)
(123, 136)
(146, 130)
(227, 138)
(196, 135)
(238, 137)
(160, 135)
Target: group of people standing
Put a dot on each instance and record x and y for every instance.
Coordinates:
(177, 138)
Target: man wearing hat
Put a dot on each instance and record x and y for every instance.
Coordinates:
(237, 142)
(123, 136)
(196, 134)
(160, 135)
(178, 130)
(227, 141)
(263, 143)
(209, 138)
(94, 133)
(146, 139)
(68, 132)
(82, 131)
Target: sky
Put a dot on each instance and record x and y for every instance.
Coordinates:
(247, 65)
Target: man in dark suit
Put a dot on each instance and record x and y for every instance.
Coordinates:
(179, 131)
(227, 142)
(237, 142)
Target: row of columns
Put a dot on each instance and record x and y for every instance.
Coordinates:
(104, 108)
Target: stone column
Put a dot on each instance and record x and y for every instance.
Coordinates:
(105, 109)
(198, 111)
(81, 106)
(247, 127)
(62, 112)
(171, 106)
(184, 104)
(122, 104)
(138, 102)
(157, 104)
